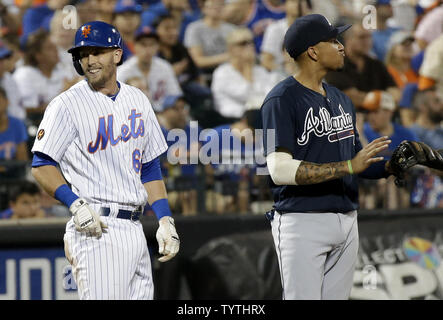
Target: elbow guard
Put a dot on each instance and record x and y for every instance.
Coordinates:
(282, 168)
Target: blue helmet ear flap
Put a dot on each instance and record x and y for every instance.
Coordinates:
(77, 65)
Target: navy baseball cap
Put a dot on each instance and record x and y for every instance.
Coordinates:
(382, 2)
(170, 101)
(127, 6)
(4, 51)
(309, 30)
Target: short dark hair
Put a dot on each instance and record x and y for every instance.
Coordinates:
(34, 45)
(159, 19)
(23, 187)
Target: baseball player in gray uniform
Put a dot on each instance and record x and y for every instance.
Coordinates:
(105, 138)
(314, 161)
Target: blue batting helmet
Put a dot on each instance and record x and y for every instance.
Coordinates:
(94, 34)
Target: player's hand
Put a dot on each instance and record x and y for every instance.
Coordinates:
(85, 219)
(366, 156)
(167, 238)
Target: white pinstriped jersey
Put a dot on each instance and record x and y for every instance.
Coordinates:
(100, 144)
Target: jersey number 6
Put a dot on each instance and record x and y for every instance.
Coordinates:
(136, 163)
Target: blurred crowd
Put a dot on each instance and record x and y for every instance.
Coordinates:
(208, 64)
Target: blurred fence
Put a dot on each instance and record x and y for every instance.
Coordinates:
(232, 257)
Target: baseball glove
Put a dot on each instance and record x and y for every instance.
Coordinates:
(411, 153)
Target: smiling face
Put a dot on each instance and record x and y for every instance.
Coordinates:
(99, 64)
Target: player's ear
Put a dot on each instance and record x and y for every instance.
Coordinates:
(312, 53)
(118, 56)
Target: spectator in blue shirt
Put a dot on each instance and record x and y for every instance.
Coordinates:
(379, 123)
(13, 135)
(383, 33)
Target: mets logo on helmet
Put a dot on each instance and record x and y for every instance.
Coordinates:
(86, 30)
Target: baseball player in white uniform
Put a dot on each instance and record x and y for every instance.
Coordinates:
(106, 140)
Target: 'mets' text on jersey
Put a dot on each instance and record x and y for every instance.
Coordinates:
(105, 131)
(107, 138)
(313, 128)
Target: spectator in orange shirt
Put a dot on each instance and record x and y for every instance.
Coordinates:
(398, 59)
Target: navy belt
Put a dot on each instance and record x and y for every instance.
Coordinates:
(124, 214)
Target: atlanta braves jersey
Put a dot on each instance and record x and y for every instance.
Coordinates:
(316, 129)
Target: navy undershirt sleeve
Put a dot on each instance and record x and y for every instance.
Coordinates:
(151, 171)
(40, 159)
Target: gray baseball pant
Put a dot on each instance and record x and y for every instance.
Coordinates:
(316, 254)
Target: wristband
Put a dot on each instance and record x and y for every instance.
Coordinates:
(161, 208)
(65, 195)
(350, 167)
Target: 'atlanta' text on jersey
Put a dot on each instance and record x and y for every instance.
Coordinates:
(337, 128)
(105, 131)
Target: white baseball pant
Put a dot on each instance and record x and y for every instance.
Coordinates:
(115, 267)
